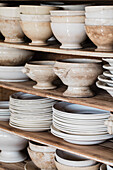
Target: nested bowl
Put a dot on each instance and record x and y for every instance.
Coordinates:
(67, 13)
(78, 75)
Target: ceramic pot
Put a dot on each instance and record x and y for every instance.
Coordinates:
(13, 56)
(78, 75)
(38, 32)
(43, 160)
(41, 72)
(11, 147)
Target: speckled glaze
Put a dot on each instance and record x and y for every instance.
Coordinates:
(43, 160)
(101, 36)
(78, 75)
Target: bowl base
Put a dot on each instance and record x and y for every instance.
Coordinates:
(20, 40)
(71, 46)
(44, 87)
(104, 48)
(78, 92)
(38, 43)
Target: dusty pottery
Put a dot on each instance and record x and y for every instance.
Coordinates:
(38, 32)
(66, 13)
(41, 72)
(78, 75)
(13, 56)
(43, 160)
(74, 7)
(11, 147)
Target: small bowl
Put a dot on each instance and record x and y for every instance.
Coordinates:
(36, 10)
(36, 18)
(41, 72)
(14, 56)
(67, 13)
(108, 67)
(43, 160)
(74, 74)
(109, 60)
(73, 160)
(70, 35)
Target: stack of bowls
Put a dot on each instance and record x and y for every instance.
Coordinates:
(65, 160)
(10, 26)
(99, 26)
(30, 112)
(35, 23)
(68, 28)
(42, 156)
(79, 124)
(106, 79)
(4, 111)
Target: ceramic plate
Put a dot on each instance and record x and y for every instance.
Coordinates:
(105, 79)
(14, 80)
(108, 74)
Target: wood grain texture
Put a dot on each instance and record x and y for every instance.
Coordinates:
(101, 153)
(102, 100)
(56, 49)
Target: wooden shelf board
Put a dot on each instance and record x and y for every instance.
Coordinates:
(102, 100)
(56, 49)
(102, 152)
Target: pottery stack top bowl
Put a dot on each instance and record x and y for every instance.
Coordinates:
(78, 75)
(42, 155)
(68, 28)
(10, 26)
(41, 72)
(99, 26)
(35, 23)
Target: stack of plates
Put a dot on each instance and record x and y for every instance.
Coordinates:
(79, 124)
(30, 112)
(106, 79)
(4, 111)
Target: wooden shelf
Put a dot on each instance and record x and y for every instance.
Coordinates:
(101, 153)
(102, 100)
(57, 50)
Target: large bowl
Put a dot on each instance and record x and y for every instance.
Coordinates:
(73, 160)
(14, 56)
(38, 32)
(41, 72)
(66, 13)
(36, 10)
(101, 36)
(70, 35)
(12, 74)
(78, 75)
(11, 147)
(43, 160)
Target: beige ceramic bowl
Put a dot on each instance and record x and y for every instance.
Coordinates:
(14, 56)
(69, 19)
(38, 32)
(41, 72)
(64, 167)
(43, 160)
(78, 75)
(36, 10)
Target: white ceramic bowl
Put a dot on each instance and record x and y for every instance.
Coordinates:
(12, 74)
(36, 10)
(70, 35)
(66, 13)
(109, 60)
(12, 12)
(108, 67)
(73, 160)
(98, 8)
(102, 22)
(14, 56)
(36, 18)
(74, 7)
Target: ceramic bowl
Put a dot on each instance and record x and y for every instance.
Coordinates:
(73, 160)
(41, 72)
(11, 147)
(99, 12)
(36, 18)
(70, 35)
(10, 12)
(100, 22)
(65, 167)
(68, 19)
(101, 36)
(36, 10)
(12, 74)
(108, 67)
(109, 60)
(72, 71)
(43, 160)
(38, 32)
(14, 56)
(66, 13)
(40, 147)
(74, 7)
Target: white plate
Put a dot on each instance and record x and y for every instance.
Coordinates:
(14, 81)
(108, 74)
(105, 79)
(109, 60)
(108, 67)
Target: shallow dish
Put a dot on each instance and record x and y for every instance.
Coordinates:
(108, 74)
(105, 80)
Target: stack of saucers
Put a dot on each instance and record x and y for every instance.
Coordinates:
(4, 111)
(30, 112)
(79, 124)
(106, 79)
